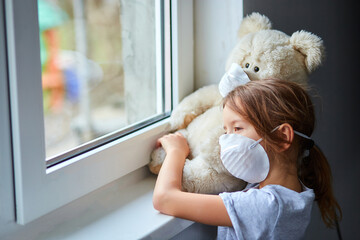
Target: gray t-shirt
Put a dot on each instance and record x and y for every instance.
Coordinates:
(272, 212)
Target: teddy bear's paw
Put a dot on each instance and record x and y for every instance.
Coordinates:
(180, 120)
(155, 169)
(187, 120)
(157, 158)
(194, 105)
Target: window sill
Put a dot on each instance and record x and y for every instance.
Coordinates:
(120, 210)
(125, 213)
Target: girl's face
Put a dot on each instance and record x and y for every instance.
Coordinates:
(235, 123)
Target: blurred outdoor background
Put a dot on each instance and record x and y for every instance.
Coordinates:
(89, 90)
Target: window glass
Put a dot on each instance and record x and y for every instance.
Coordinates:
(100, 69)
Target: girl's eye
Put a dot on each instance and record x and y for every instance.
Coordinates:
(237, 129)
(247, 65)
(256, 68)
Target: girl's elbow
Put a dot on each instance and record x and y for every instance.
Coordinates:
(159, 200)
(162, 202)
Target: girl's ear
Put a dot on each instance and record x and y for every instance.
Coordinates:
(287, 133)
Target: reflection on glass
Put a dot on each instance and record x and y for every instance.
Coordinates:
(98, 62)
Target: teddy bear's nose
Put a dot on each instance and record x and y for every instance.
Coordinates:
(251, 74)
(248, 72)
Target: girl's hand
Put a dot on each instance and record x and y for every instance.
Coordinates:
(174, 143)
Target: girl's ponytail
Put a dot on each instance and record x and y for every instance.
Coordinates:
(315, 173)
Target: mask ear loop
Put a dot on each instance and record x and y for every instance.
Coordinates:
(255, 143)
(258, 141)
(309, 144)
(302, 135)
(276, 128)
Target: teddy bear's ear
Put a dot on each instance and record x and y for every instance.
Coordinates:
(253, 23)
(311, 46)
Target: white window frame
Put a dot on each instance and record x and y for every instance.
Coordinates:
(39, 191)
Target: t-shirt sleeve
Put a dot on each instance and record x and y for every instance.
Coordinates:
(252, 213)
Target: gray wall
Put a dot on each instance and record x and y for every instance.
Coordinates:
(337, 83)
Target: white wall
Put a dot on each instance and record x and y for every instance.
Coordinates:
(215, 30)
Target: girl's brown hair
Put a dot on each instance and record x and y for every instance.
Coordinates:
(269, 103)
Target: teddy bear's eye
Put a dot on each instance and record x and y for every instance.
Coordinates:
(256, 68)
(247, 65)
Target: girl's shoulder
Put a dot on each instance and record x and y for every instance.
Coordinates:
(286, 196)
(284, 190)
(274, 194)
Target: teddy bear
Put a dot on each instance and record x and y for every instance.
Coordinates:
(263, 53)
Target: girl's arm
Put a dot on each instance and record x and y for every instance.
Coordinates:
(168, 197)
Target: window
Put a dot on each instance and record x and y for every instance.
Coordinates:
(101, 70)
(40, 186)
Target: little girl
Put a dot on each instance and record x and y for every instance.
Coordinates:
(268, 124)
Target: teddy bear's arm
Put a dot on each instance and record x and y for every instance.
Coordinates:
(193, 105)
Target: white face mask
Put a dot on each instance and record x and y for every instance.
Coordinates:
(244, 157)
(232, 78)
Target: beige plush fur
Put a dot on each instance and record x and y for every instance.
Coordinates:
(199, 118)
